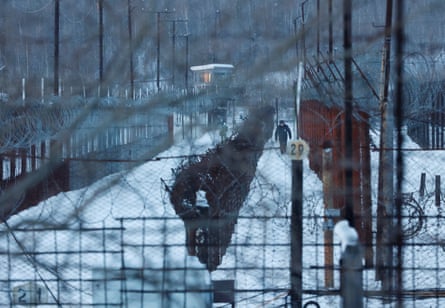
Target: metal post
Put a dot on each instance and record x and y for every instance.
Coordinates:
(276, 110)
(385, 185)
(351, 268)
(347, 19)
(303, 31)
(130, 38)
(173, 51)
(296, 36)
(331, 41)
(187, 62)
(23, 89)
(398, 114)
(101, 40)
(351, 280)
(329, 208)
(297, 234)
(158, 48)
(318, 33)
(422, 184)
(56, 46)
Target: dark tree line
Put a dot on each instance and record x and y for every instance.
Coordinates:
(96, 38)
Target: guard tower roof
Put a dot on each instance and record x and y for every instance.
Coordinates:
(211, 66)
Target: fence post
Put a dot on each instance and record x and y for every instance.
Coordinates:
(12, 164)
(42, 89)
(2, 158)
(296, 262)
(422, 184)
(23, 161)
(59, 91)
(23, 89)
(224, 291)
(329, 209)
(351, 266)
(33, 157)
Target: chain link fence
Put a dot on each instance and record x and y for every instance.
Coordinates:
(123, 185)
(119, 242)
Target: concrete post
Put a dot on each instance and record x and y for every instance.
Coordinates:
(351, 266)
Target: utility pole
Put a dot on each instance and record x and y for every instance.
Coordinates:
(347, 159)
(56, 46)
(101, 41)
(297, 234)
(173, 52)
(296, 36)
(215, 39)
(174, 21)
(318, 33)
(331, 33)
(158, 47)
(398, 113)
(130, 38)
(187, 62)
(385, 198)
(303, 31)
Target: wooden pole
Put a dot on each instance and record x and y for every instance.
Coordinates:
(329, 206)
(56, 46)
(158, 49)
(130, 42)
(101, 41)
(385, 197)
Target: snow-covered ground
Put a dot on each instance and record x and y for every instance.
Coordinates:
(126, 221)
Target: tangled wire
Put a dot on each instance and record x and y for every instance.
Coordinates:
(28, 124)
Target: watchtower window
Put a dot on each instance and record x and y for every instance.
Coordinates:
(215, 74)
(206, 77)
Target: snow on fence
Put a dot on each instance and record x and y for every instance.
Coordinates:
(101, 245)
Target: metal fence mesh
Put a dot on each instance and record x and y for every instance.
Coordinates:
(89, 157)
(106, 259)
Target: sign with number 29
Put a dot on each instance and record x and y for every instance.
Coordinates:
(298, 149)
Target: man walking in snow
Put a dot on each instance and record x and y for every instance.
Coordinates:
(281, 134)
